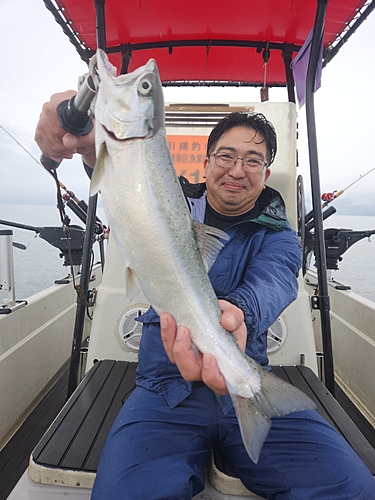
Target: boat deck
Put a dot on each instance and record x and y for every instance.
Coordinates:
(69, 451)
(15, 455)
(74, 441)
(76, 438)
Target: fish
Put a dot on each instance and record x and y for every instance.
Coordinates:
(167, 254)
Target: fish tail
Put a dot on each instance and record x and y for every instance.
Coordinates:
(275, 398)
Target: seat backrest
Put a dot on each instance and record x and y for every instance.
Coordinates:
(114, 333)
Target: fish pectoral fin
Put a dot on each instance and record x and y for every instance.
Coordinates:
(98, 171)
(132, 287)
(195, 350)
(276, 398)
(209, 244)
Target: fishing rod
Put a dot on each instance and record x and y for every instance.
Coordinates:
(73, 235)
(77, 206)
(329, 197)
(39, 163)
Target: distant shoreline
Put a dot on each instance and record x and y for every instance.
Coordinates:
(342, 206)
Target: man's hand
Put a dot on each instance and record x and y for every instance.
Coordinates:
(55, 142)
(177, 344)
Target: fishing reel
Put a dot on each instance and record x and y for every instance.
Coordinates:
(69, 242)
(337, 241)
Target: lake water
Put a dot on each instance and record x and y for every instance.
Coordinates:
(37, 267)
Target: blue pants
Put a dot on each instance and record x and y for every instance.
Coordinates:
(154, 452)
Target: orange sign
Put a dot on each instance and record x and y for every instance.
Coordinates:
(188, 153)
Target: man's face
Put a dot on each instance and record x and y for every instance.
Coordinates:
(234, 191)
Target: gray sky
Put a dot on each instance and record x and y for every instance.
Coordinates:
(38, 60)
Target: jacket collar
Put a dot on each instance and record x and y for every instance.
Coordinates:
(273, 212)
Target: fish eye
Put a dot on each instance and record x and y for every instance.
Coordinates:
(145, 87)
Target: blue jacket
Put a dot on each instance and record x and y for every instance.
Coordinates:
(256, 270)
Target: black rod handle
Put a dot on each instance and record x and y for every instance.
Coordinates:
(74, 115)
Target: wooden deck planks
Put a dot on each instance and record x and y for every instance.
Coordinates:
(76, 438)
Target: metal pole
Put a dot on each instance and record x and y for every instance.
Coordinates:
(100, 24)
(7, 267)
(287, 56)
(320, 301)
(81, 308)
(87, 246)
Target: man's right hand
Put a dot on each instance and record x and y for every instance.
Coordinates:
(55, 142)
(177, 344)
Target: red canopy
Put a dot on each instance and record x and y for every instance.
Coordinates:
(207, 40)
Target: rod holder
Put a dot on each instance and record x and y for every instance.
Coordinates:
(320, 362)
(7, 267)
(82, 362)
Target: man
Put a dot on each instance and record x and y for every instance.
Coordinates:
(163, 435)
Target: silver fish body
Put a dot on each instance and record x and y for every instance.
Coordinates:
(162, 246)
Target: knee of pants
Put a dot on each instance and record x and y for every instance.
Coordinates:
(166, 478)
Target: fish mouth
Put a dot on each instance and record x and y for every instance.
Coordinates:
(113, 136)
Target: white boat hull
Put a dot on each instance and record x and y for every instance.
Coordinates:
(353, 340)
(35, 342)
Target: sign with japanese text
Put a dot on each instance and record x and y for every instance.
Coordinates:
(188, 154)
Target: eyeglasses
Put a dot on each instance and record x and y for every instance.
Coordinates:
(251, 164)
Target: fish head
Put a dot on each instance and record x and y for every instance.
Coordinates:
(129, 106)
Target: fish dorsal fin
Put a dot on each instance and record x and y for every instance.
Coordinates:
(209, 243)
(98, 171)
